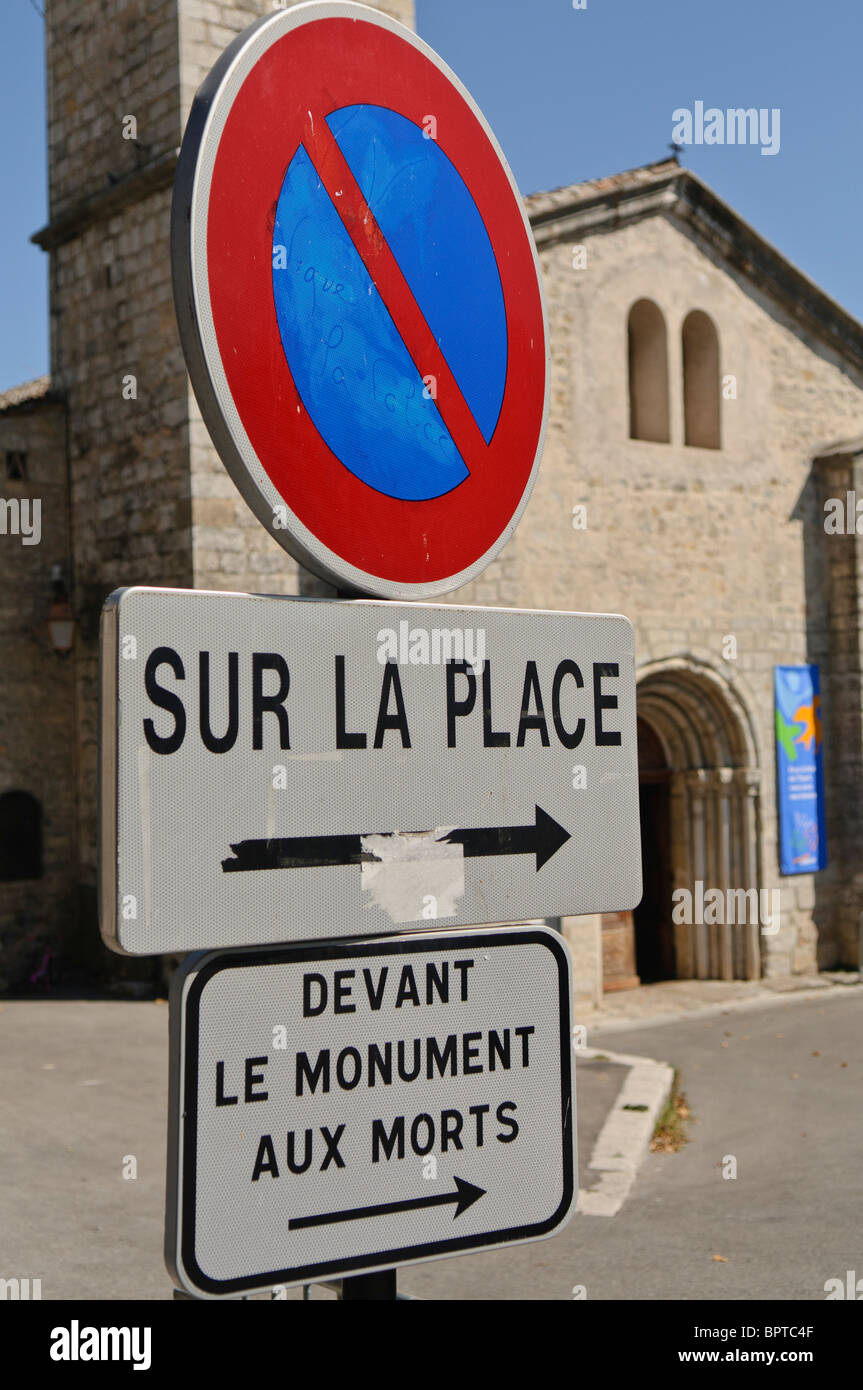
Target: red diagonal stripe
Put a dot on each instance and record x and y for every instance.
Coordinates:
(347, 197)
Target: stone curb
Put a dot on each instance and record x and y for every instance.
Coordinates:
(625, 1137)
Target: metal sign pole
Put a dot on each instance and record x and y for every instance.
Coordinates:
(377, 1287)
(369, 1287)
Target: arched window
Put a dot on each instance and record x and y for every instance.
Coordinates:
(701, 381)
(648, 373)
(20, 837)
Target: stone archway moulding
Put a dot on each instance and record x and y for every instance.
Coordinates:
(705, 724)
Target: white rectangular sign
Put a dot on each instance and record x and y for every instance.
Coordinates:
(277, 769)
(342, 1107)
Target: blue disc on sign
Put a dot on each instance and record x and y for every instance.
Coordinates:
(352, 369)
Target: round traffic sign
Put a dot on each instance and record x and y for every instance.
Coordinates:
(359, 301)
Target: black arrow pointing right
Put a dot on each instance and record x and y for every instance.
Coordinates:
(465, 1195)
(544, 838)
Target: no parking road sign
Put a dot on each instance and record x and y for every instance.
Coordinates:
(338, 1108)
(359, 301)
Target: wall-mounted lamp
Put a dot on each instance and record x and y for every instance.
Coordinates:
(61, 619)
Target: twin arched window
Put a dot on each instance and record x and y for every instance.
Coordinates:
(648, 373)
(648, 377)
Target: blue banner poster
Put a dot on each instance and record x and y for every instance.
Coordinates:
(800, 769)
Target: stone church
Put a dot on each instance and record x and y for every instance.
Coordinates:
(706, 402)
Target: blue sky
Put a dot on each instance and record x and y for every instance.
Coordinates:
(570, 94)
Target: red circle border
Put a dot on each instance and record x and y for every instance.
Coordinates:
(319, 67)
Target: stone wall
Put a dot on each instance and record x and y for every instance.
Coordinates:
(692, 544)
(115, 355)
(840, 575)
(108, 59)
(150, 500)
(37, 726)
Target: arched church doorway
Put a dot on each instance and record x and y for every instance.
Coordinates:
(698, 783)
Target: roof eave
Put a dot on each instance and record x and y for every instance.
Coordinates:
(680, 195)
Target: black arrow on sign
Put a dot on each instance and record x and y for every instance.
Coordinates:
(465, 1195)
(544, 838)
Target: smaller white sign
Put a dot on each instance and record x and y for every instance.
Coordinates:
(342, 1107)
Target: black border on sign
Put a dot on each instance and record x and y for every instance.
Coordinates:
(387, 1259)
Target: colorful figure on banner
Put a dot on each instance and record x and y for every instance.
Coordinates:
(800, 769)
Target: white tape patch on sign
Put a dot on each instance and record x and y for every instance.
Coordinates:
(407, 874)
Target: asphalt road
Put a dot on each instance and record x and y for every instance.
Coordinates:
(83, 1101)
(768, 1087)
(83, 1089)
